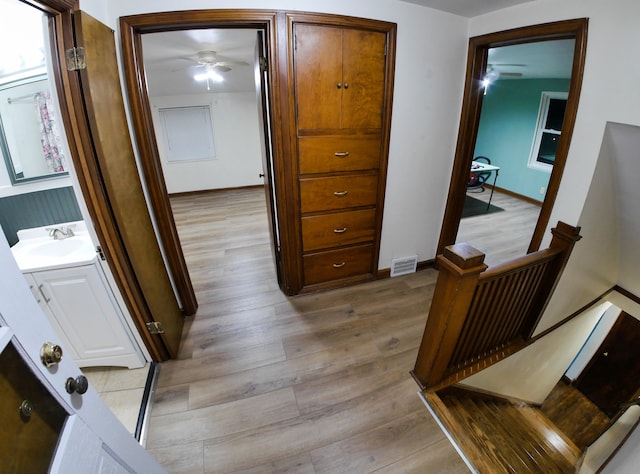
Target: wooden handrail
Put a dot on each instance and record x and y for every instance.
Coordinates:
(478, 313)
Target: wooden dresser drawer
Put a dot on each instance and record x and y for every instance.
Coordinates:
(337, 264)
(334, 230)
(337, 192)
(338, 153)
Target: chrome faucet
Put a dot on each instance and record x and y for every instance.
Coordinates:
(60, 233)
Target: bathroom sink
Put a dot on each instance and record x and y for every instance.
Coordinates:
(58, 248)
(36, 250)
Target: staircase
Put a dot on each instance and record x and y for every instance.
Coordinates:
(500, 436)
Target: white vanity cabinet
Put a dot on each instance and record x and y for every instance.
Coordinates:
(82, 309)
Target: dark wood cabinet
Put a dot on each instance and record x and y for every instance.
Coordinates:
(343, 77)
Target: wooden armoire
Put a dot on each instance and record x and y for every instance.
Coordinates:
(343, 85)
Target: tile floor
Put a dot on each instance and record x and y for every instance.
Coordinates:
(121, 390)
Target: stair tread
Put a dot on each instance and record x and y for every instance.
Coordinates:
(504, 437)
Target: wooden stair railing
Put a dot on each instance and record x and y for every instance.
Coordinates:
(479, 316)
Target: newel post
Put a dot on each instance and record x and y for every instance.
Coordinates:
(459, 266)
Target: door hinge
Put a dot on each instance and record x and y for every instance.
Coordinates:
(385, 48)
(264, 67)
(155, 327)
(100, 253)
(76, 58)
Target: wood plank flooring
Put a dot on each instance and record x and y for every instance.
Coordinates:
(574, 414)
(503, 235)
(310, 384)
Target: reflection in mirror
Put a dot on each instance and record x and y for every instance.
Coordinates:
(525, 95)
(29, 135)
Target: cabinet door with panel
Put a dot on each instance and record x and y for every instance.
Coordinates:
(340, 77)
(86, 317)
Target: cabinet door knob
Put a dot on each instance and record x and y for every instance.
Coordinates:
(346, 85)
(340, 193)
(79, 385)
(26, 408)
(341, 154)
(50, 354)
(339, 85)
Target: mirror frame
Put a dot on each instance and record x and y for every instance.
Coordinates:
(4, 143)
(477, 60)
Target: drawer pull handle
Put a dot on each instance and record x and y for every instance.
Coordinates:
(340, 193)
(340, 231)
(339, 265)
(341, 154)
(40, 287)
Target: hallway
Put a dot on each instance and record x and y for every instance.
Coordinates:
(266, 383)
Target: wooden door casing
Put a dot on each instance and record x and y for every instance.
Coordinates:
(611, 376)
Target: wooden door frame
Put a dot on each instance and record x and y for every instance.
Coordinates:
(85, 163)
(470, 118)
(131, 29)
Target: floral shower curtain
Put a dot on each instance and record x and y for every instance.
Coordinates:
(50, 138)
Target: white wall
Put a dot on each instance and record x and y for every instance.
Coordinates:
(236, 135)
(430, 69)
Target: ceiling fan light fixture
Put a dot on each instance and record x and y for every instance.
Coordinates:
(208, 75)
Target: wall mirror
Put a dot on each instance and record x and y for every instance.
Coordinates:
(30, 125)
(483, 61)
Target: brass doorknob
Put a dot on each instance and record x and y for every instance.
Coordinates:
(50, 354)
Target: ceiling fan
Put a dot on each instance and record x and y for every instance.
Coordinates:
(211, 66)
(209, 60)
(496, 71)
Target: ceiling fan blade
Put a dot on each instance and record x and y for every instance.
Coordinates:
(507, 65)
(511, 74)
(221, 68)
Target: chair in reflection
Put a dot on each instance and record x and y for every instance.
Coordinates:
(478, 178)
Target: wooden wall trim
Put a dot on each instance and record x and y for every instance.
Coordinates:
(522, 197)
(633, 297)
(132, 29)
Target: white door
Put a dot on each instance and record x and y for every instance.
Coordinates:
(20, 313)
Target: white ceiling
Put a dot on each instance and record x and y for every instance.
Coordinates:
(544, 59)
(170, 60)
(468, 8)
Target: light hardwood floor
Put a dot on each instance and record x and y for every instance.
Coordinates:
(502, 235)
(309, 384)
